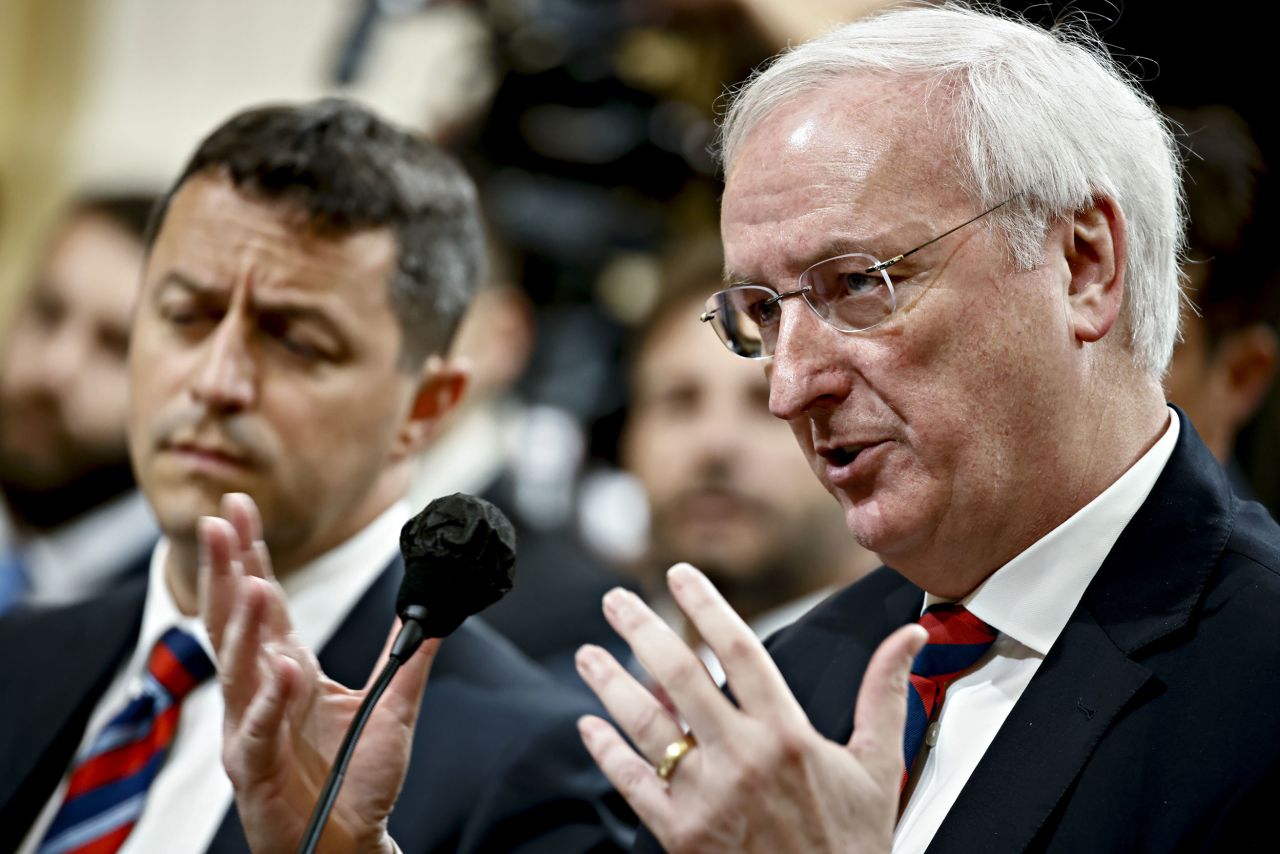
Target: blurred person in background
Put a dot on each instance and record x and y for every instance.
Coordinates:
(728, 490)
(71, 520)
(1226, 361)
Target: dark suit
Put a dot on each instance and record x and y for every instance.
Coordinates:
(1151, 724)
(497, 764)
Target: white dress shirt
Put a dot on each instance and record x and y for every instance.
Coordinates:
(1028, 601)
(82, 558)
(191, 794)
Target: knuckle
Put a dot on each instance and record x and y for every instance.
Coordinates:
(686, 671)
(630, 774)
(737, 650)
(648, 723)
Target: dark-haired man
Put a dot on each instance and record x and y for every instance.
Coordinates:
(305, 272)
(71, 522)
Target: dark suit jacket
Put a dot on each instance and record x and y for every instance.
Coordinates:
(497, 764)
(1150, 726)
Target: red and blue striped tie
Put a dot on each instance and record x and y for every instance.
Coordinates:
(957, 639)
(108, 787)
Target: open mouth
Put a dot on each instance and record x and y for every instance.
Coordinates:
(842, 456)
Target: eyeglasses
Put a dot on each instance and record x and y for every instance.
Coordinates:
(851, 293)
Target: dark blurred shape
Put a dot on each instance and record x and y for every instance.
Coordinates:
(595, 153)
(1227, 359)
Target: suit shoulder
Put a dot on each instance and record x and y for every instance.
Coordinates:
(1255, 537)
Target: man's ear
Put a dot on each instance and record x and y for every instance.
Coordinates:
(440, 390)
(1096, 250)
(1244, 364)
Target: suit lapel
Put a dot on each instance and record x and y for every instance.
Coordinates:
(55, 665)
(1146, 589)
(1047, 738)
(348, 658)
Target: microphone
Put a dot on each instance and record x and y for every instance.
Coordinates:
(459, 558)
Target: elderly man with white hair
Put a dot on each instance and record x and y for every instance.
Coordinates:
(954, 240)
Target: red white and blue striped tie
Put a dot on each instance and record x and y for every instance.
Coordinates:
(108, 787)
(957, 639)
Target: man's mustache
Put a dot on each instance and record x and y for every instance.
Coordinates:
(234, 435)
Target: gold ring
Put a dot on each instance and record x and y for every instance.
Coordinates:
(672, 754)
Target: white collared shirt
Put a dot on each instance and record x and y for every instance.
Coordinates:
(81, 558)
(1029, 601)
(191, 794)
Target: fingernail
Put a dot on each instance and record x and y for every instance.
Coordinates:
(616, 600)
(587, 728)
(681, 573)
(587, 659)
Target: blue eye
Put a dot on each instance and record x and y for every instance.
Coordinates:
(859, 283)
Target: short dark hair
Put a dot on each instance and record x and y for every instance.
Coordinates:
(129, 212)
(1223, 177)
(349, 170)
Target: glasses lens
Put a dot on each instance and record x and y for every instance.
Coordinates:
(845, 295)
(746, 319)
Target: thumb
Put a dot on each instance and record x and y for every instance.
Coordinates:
(881, 712)
(404, 695)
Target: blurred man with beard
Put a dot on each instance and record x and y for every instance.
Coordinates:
(71, 520)
(727, 490)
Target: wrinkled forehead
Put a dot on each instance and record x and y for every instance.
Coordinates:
(870, 153)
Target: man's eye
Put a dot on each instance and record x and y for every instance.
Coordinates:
(766, 312)
(854, 284)
(301, 348)
(180, 314)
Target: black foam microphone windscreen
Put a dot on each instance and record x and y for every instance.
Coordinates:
(459, 556)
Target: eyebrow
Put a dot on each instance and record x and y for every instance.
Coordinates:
(886, 243)
(289, 310)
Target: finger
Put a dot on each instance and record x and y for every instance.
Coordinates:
(640, 714)
(630, 775)
(254, 746)
(881, 712)
(757, 685)
(239, 671)
(278, 630)
(240, 510)
(216, 577)
(671, 664)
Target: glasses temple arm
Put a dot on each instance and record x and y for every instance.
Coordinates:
(883, 265)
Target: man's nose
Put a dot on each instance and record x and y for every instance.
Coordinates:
(806, 371)
(226, 378)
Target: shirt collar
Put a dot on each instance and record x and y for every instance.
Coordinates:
(71, 562)
(1032, 596)
(319, 594)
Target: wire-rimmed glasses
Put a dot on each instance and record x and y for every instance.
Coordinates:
(851, 293)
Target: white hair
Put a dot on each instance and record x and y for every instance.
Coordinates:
(1045, 116)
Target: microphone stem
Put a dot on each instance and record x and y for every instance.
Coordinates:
(406, 643)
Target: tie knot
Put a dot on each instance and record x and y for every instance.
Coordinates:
(178, 663)
(957, 639)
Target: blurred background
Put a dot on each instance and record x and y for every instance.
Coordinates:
(587, 124)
